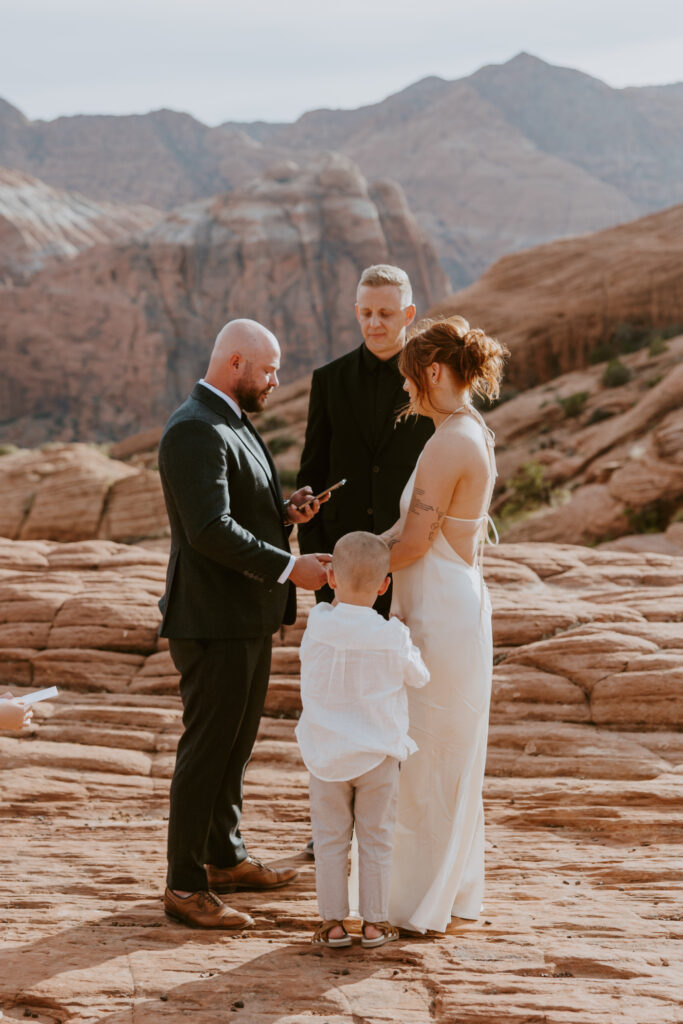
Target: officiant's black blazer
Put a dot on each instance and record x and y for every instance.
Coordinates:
(228, 541)
(340, 442)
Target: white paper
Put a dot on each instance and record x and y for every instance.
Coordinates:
(33, 698)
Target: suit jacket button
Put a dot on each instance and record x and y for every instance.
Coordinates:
(370, 511)
(375, 469)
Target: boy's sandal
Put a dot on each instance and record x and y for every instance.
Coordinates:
(389, 934)
(321, 936)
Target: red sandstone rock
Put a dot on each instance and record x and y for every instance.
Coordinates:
(553, 304)
(142, 316)
(581, 911)
(40, 225)
(75, 492)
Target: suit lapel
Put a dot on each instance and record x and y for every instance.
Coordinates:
(264, 456)
(244, 436)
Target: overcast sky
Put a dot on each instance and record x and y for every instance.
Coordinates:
(274, 59)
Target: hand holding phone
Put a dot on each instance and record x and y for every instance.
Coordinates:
(328, 490)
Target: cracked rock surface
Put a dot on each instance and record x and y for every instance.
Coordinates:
(582, 918)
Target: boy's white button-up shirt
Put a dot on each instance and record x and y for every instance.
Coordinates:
(355, 666)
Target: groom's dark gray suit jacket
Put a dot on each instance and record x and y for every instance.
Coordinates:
(229, 545)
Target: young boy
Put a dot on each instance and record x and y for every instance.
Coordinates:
(353, 734)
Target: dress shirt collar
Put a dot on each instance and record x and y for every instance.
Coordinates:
(226, 398)
(372, 363)
(355, 609)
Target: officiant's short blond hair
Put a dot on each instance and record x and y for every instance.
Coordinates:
(361, 560)
(380, 274)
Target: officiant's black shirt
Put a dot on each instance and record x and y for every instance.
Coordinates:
(378, 385)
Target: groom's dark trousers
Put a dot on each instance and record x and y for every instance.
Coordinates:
(221, 606)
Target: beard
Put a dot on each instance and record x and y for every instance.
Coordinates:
(249, 397)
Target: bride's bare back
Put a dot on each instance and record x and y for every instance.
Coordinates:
(451, 493)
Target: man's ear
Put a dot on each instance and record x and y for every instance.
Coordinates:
(330, 578)
(410, 314)
(383, 588)
(357, 312)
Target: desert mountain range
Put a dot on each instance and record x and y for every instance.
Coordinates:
(106, 304)
(509, 157)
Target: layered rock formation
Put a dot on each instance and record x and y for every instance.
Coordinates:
(581, 462)
(514, 155)
(555, 304)
(76, 492)
(109, 344)
(40, 225)
(582, 801)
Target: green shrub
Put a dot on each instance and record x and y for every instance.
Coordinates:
(287, 479)
(651, 518)
(280, 444)
(658, 346)
(484, 404)
(273, 422)
(629, 337)
(8, 449)
(599, 414)
(616, 374)
(600, 354)
(573, 404)
(529, 490)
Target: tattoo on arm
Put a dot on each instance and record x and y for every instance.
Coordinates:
(436, 525)
(392, 542)
(417, 505)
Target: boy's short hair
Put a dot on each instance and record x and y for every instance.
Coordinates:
(384, 273)
(361, 560)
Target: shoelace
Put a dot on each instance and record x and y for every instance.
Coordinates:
(209, 897)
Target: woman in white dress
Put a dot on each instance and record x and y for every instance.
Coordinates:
(439, 591)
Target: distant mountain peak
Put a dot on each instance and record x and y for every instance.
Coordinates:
(11, 115)
(524, 57)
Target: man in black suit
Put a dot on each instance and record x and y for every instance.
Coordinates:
(352, 430)
(229, 586)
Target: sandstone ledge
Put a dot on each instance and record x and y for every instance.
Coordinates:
(580, 921)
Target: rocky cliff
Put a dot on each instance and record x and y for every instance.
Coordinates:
(40, 225)
(596, 455)
(560, 305)
(108, 344)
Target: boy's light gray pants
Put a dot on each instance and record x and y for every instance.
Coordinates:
(369, 801)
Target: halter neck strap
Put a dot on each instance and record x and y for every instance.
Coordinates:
(487, 525)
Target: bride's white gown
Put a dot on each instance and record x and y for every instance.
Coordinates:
(438, 867)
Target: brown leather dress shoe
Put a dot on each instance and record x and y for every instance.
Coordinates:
(249, 874)
(204, 910)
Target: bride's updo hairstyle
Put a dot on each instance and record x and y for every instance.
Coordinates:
(474, 359)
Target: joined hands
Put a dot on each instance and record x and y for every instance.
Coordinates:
(310, 571)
